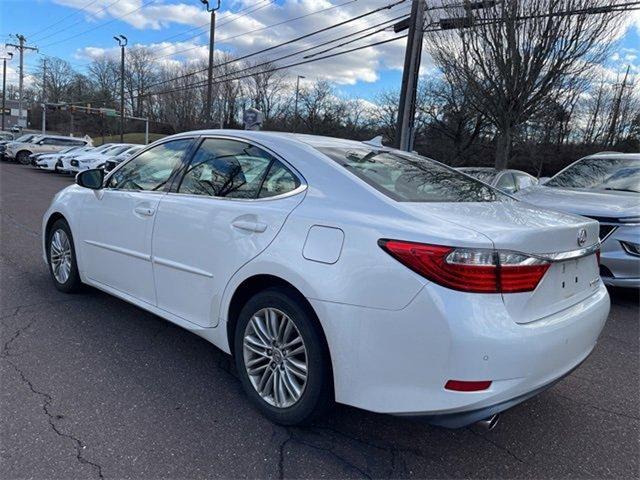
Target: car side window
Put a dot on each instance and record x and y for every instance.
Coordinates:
(506, 183)
(523, 180)
(228, 168)
(150, 170)
(279, 180)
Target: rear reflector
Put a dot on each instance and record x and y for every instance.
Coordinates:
(470, 270)
(464, 386)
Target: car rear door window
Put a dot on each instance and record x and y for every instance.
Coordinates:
(235, 169)
(151, 169)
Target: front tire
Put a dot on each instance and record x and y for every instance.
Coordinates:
(281, 358)
(61, 257)
(23, 157)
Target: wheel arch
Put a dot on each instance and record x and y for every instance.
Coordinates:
(257, 283)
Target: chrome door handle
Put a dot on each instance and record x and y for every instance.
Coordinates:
(257, 227)
(146, 211)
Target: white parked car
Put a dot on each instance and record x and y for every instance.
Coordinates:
(50, 161)
(605, 187)
(335, 269)
(64, 164)
(95, 159)
(116, 160)
(43, 144)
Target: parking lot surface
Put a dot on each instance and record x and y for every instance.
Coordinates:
(94, 387)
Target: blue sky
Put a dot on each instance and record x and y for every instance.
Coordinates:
(79, 30)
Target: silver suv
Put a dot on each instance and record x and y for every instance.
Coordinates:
(43, 144)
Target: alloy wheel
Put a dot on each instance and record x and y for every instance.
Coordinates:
(275, 357)
(60, 255)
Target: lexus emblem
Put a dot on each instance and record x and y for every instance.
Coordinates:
(582, 237)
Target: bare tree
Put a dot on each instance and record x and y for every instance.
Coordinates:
(104, 73)
(140, 72)
(59, 76)
(520, 56)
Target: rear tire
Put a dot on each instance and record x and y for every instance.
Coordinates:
(288, 375)
(61, 257)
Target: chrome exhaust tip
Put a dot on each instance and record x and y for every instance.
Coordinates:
(489, 423)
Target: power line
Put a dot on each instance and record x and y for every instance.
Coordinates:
(76, 23)
(288, 42)
(252, 31)
(271, 61)
(72, 14)
(114, 19)
(275, 69)
(225, 15)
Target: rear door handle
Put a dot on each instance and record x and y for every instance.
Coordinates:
(257, 227)
(146, 211)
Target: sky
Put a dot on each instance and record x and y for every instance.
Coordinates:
(177, 31)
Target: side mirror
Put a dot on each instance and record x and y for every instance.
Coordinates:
(92, 179)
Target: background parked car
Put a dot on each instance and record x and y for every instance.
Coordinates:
(95, 158)
(64, 162)
(29, 137)
(605, 187)
(8, 136)
(48, 161)
(510, 181)
(113, 162)
(44, 144)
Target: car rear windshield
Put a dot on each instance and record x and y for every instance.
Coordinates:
(409, 177)
(593, 173)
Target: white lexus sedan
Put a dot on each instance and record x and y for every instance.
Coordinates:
(339, 270)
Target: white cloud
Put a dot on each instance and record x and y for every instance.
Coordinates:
(238, 18)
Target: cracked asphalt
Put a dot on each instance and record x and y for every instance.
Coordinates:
(92, 387)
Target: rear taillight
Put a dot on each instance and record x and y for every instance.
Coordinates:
(470, 270)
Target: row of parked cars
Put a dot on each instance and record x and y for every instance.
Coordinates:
(65, 154)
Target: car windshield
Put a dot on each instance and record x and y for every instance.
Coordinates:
(407, 177)
(483, 174)
(591, 172)
(25, 138)
(624, 180)
(67, 150)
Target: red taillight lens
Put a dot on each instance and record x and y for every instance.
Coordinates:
(465, 386)
(470, 270)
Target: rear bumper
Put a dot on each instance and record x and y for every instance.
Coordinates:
(464, 419)
(397, 362)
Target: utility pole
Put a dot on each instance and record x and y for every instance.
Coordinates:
(407, 106)
(295, 113)
(616, 110)
(44, 91)
(21, 48)
(212, 29)
(122, 41)
(4, 84)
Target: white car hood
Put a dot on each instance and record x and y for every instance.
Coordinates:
(589, 203)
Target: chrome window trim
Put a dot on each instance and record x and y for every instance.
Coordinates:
(300, 188)
(568, 255)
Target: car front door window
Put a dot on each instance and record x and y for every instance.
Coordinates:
(150, 170)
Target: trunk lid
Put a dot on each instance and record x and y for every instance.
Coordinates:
(521, 227)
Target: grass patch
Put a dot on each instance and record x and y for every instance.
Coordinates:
(128, 138)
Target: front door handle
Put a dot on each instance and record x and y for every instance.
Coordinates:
(145, 211)
(257, 227)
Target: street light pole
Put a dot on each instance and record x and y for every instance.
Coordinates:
(295, 114)
(4, 84)
(122, 41)
(212, 30)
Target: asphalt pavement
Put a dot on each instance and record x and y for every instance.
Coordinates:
(91, 386)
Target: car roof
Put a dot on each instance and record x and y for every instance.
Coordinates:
(629, 156)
